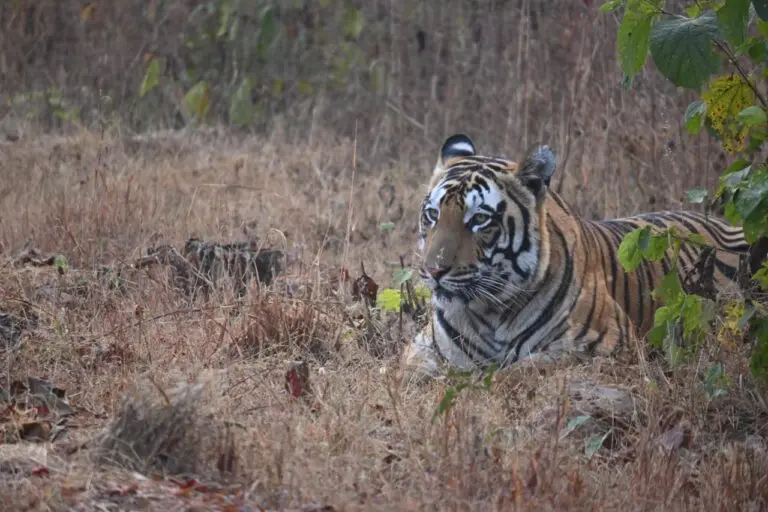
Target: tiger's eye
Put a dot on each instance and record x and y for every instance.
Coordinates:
(431, 214)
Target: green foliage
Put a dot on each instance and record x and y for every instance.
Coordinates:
(462, 381)
(48, 102)
(353, 22)
(389, 300)
(694, 116)
(151, 77)
(198, 99)
(697, 195)
(241, 105)
(681, 49)
(634, 35)
(733, 17)
(761, 8)
(761, 276)
(716, 382)
(61, 263)
(725, 97)
(387, 227)
(242, 61)
(642, 244)
(689, 50)
(401, 276)
(402, 292)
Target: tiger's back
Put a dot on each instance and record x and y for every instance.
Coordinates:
(620, 305)
(515, 274)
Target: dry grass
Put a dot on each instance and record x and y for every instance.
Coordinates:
(181, 406)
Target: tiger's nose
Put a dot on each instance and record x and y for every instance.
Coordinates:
(437, 272)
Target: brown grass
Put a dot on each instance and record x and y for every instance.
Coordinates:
(183, 406)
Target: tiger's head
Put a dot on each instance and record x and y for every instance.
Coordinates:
(482, 224)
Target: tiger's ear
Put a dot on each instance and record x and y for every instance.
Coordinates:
(454, 146)
(537, 170)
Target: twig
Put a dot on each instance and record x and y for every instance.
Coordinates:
(723, 48)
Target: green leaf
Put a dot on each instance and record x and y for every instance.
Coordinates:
(387, 227)
(594, 443)
(389, 299)
(726, 96)
(225, 13)
(422, 291)
(61, 263)
(753, 194)
(353, 22)
(575, 423)
(691, 314)
(694, 116)
(697, 195)
(713, 381)
(198, 99)
(657, 334)
(737, 165)
(634, 37)
(752, 116)
(696, 239)
(489, 373)
(735, 174)
(448, 400)
(682, 49)
(756, 224)
(151, 77)
(629, 253)
(733, 17)
(401, 276)
(749, 310)
(241, 105)
(762, 28)
(267, 31)
(758, 361)
(644, 240)
(669, 290)
(610, 5)
(657, 247)
(761, 8)
(754, 47)
(761, 276)
(652, 246)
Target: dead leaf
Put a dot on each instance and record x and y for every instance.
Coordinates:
(87, 11)
(297, 380)
(365, 287)
(38, 431)
(123, 490)
(40, 471)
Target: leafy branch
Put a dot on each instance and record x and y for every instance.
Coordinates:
(688, 50)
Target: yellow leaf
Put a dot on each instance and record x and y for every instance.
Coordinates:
(389, 300)
(725, 97)
(198, 99)
(304, 88)
(87, 11)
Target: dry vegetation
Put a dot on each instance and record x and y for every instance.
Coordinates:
(174, 405)
(163, 391)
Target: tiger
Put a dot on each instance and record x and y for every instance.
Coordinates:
(516, 276)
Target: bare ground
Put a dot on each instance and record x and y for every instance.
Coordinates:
(178, 406)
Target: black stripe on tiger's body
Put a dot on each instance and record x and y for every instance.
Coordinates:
(514, 274)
